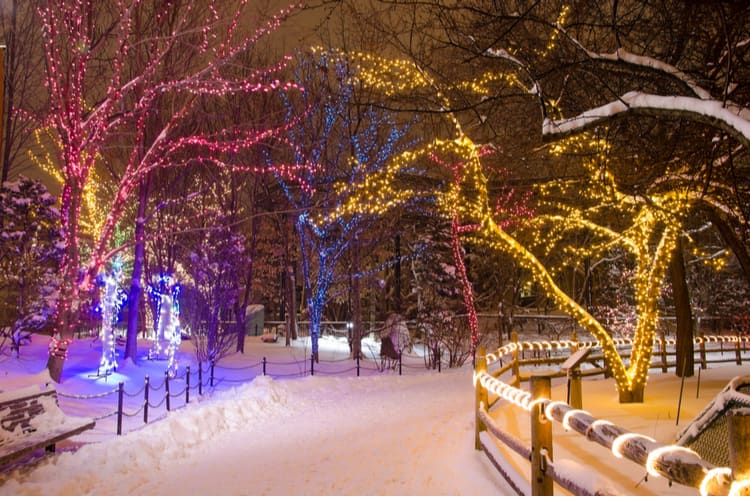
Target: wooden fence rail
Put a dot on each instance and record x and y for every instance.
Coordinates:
(676, 463)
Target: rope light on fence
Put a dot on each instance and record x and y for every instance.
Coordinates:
(509, 348)
(740, 488)
(711, 475)
(659, 453)
(570, 414)
(660, 460)
(623, 439)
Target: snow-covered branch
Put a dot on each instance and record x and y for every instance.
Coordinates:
(711, 112)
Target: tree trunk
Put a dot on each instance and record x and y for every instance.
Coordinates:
(139, 251)
(68, 303)
(291, 305)
(685, 363)
(634, 395)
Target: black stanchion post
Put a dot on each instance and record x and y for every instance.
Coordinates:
(440, 359)
(166, 386)
(264, 366)
(120, 392)
(200, 379)
(211, 378)
(145, 400)
(399, 362)
(312, 365)
(187, 384)
(357, 355)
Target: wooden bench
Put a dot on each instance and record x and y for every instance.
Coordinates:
(30, 419)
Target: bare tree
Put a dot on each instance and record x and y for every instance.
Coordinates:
(22, 94)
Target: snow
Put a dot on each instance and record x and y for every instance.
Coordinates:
(730, 395)
(729, 119)
(332, 433)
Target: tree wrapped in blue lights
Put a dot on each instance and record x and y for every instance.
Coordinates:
(165, 292)
(340, 142)
(112, 299)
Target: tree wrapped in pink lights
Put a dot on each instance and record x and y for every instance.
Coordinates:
(125, 100)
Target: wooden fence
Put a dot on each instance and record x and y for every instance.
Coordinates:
(576, 359)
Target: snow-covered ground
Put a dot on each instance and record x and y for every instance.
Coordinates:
(332, 433)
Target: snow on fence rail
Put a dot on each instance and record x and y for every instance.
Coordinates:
(679, 464)
(708, 349)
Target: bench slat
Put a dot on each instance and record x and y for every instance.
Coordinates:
(21, 412)
(40, 440)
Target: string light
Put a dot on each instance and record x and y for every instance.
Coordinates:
(84, 132)
(113, 298)
(712, 475)
(165, 292)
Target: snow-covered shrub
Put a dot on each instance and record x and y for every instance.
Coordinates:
(30, 253)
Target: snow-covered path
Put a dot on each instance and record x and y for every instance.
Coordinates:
(315, 435)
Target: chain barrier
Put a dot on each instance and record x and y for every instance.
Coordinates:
(135, 394)
(103, 416)
(136, 413)
(239, 368)
(178, 394)
(154, 387)
(156, 406)
(86, 397)
(207, 378)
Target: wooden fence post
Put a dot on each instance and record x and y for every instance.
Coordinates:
(739, 443)
(738, 350)
(541, 437)
(481, 397)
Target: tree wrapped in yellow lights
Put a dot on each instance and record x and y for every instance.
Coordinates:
(649, 236)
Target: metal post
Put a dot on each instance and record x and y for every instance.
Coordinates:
(120, 392)
(145, 399)
(399, 363)
(702, 348)
(211, 378)
(679, 399)
(439, 359)
(698, 385)
(312, 365)
(264, 365)
(166, 386)
(663, 352)
(187, 385)
(200, 378)
(541, 437)
(357, 356)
